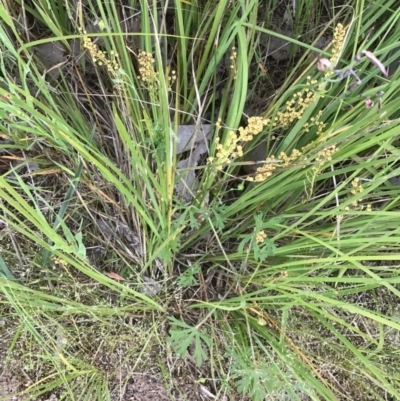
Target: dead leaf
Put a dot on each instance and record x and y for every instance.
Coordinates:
(189, 136)
(279, 49)
(187, 182)
(196, 140)
(371, 57)
(115, 276)
(149, 287)
(51, 55)
(48, 171)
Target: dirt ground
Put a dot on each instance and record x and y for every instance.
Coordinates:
(142, 388)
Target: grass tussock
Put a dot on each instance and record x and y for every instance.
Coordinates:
(202, 194)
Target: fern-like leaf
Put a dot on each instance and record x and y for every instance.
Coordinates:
(182, 336)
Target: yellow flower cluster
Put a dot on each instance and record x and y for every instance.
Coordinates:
(289, 159)
(356, 189)
(232, 58)
(325, 155)
(297, 105)
(171, 80)
(59, 262)
(260, 237)
(232, 148)
(148, 74)
(284, 274)
(337, 42)
(271, 164)
(262, 173)
(254, 127)
(356, 205)
(100, 57)
(315, 121)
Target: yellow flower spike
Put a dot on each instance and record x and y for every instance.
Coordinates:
(232, 148)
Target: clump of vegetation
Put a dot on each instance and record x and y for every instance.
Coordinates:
(277, 278)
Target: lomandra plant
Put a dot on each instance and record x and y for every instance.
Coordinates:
(279, 283)
(304, 245)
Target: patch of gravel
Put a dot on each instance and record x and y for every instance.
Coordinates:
(150, 388)
(9, 385)
(141, 388)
